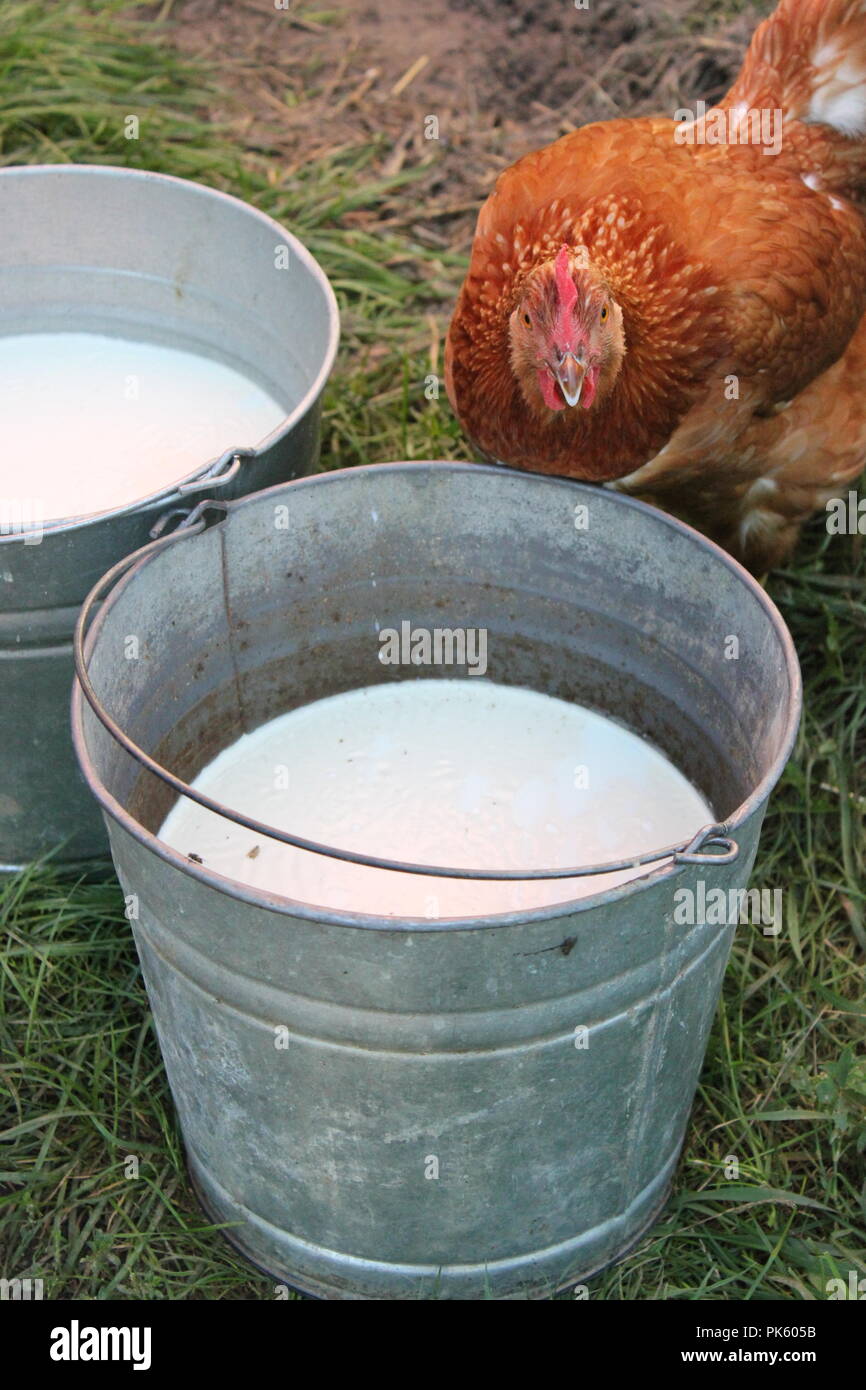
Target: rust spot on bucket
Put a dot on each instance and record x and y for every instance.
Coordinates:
(564, 947)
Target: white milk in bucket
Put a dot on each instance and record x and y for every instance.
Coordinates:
(92, 423)
(463, 773)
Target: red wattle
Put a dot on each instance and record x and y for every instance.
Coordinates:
(587, 395)
(549, 390)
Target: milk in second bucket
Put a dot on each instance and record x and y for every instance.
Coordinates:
(92, 423)
(461, 773)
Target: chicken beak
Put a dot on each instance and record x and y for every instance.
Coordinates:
(570, 374)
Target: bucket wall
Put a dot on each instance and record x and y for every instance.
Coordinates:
(432, 1129)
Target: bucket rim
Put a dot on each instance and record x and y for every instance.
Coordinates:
(66, 525)
(274, 902)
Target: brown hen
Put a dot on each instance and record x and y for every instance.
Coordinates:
(679, 306)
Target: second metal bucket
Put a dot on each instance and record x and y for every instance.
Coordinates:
(416, 1040)
(158, 259)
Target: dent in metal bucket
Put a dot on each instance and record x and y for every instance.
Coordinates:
(431, 1129)
(143, 256)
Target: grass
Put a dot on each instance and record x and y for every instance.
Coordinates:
(783, 1088)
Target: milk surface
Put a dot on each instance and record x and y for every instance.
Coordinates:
(462, 773)
(91, 422)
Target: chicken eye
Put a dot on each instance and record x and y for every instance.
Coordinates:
(603, 314)
(527, 320)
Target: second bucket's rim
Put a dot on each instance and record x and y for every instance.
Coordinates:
(64, 525)
(275, 902)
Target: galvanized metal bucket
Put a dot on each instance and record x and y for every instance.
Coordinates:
(432, 1130)
(159, 259)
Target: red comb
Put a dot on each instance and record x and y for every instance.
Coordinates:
(567, 293)
(564, 283)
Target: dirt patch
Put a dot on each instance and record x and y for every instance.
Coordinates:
(500, 77)
(617, 57)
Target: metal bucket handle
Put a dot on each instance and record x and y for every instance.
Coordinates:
(220, 473)
(699, 850)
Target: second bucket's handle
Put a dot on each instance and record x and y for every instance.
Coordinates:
(220, 473)
(709, 835)
(194, 523)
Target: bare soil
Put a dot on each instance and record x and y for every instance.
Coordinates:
(501, 77)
